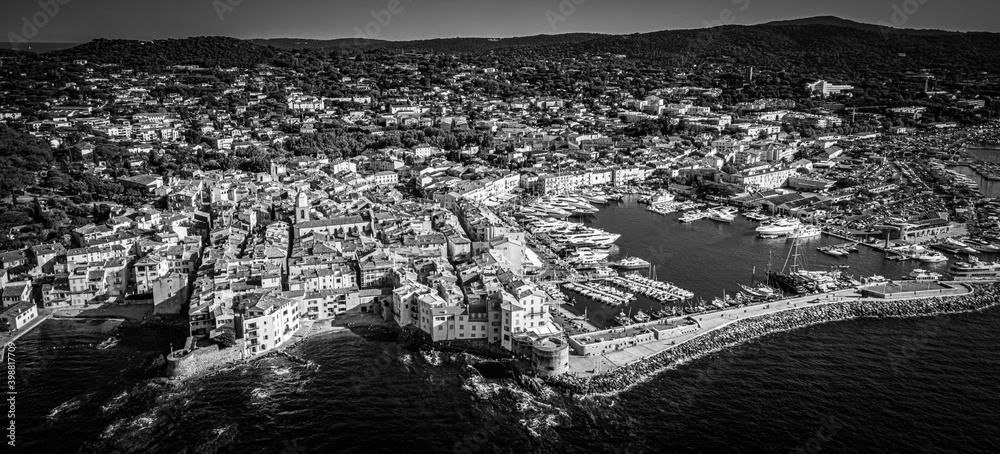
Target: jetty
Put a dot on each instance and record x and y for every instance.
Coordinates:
(619, 368)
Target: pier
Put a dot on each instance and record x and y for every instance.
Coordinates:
(597, 366)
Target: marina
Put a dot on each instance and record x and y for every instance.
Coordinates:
(709, 259)
(649, 250)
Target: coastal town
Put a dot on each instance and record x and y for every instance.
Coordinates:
(256, 208)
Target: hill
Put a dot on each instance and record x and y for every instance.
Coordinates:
(805, 49)
(811, 47)
(204, 51)
(823, 20)
(846, 23)
(444, 45)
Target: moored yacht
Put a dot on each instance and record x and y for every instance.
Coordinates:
(975, 269)
(663, 197)
(632, 263)
(806, 231)
(722, 214)
(933, 257)
(779, 227)
(834, 251)
(920, 275)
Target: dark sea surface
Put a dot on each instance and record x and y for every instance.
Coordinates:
(873, 385)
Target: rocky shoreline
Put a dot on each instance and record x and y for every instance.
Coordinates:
(740, 331)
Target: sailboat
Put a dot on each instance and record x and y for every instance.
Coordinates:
(786, 278)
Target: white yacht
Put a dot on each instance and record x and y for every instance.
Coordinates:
(920, 275)
(663, 197)
(586, 256)
(692, 216)
(782, 226)
(722, 214)
(633, 263)
(933, 257)
(975, 269)
(834, 251)
(595, 237)
(806, 231)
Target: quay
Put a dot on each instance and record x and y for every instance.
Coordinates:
(599, 366)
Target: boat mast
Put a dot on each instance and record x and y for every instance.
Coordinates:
(788, 257)
(795, 256)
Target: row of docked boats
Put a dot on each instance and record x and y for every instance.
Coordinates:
(673, 207)
(915, 252)
(559, 207)
(838, 250)
(623, 319)
(656, 290)
(967, 246)
(720, 214)
(604, 294)
(657, 198)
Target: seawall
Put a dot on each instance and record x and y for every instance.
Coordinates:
(740, 331)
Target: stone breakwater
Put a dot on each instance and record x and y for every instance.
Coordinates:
(740, 331)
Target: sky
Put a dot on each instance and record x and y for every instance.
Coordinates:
(83, 20)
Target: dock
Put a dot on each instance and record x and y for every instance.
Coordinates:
(592, 366)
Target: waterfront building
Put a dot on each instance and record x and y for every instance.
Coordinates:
(267, 322)
(17, 316)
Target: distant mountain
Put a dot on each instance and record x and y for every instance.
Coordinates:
(835, 21)
(202, 50)
(447, 45)
(823, 20)
(816, 47)
(301, 43)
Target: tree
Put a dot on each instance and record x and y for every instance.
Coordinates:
(12, 182)
(56, 180)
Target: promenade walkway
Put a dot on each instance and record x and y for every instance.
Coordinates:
(590, 366)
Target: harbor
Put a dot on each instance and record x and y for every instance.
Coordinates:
(614, 372)
(703, 276)
(695, 265)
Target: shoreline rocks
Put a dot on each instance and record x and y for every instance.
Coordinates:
(741, 331)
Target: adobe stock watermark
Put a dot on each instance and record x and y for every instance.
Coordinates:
(222, 7)
(727, 16)
(900, 16)
(566, 9)
(382, 19)
(48, 9)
